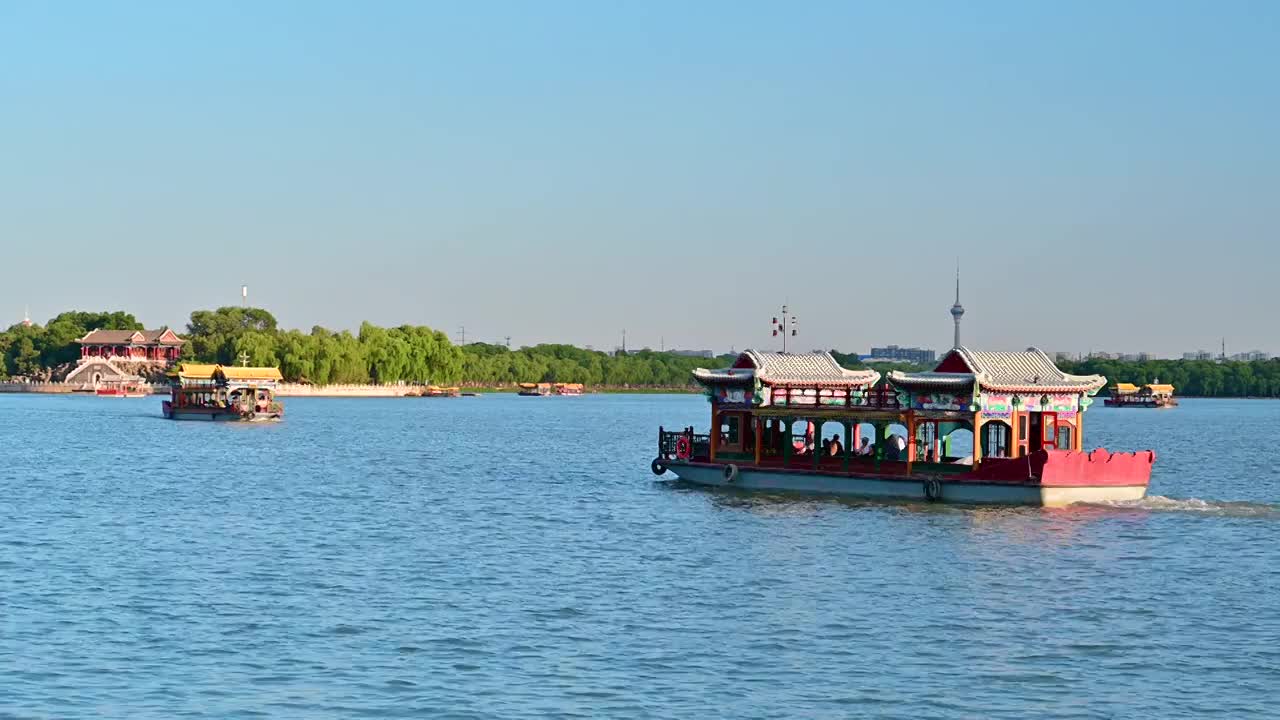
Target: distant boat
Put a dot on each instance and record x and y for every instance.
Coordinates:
(569, 388)
(223, 394)
(535, 389)
(1151, 395)
(121, 389)
(435, 391)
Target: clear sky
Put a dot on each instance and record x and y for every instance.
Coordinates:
(1107, 172)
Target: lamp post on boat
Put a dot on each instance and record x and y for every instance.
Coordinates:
(783, 326)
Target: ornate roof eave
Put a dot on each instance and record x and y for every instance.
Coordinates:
(1054, 389)
(829, 384)
(931, 379)
(724, 377)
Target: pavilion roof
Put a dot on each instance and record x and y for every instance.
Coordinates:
(128, 337)
(235, 372)
(1026, 371)
(775, 368)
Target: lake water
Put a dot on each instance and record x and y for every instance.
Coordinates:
(514, 557)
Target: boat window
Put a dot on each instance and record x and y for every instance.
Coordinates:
(1022, 427)
(995, 439)
(1064, 437)
(730, 429)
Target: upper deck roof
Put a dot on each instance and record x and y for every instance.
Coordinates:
(817, 369)
(196, 371)
(1027, 371)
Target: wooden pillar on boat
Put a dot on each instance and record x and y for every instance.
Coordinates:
(755, 425)
(879, 446)
(786, 442)
(1015, 427)
(937, 441)
(850, 437)
(817, 443)
(715, 432)
(911, 439)
(1078, 443)
(977, 438)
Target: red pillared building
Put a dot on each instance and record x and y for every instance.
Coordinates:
(158, 347)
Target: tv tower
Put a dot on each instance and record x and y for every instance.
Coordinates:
(957, 310)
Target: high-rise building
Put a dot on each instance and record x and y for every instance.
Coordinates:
(913, 355)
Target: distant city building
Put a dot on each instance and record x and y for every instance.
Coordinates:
(913, 355)
(1062, 356)
(1145, 357)
(693, 353)
(1250, 356)
(1198, 355)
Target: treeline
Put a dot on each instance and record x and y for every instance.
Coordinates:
(1201, 378)
(375, 354)
(35, 351)
(411, 353)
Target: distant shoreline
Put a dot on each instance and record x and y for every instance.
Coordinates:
(292, 390)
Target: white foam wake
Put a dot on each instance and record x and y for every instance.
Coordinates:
(1160, 503)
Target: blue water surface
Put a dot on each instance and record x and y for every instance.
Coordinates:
(505, 557)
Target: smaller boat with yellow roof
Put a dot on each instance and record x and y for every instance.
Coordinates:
(1151, 395)
(223, 393)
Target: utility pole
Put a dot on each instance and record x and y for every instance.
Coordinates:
(624, 341)
(507, 339)
(785, 325)
(462, 334)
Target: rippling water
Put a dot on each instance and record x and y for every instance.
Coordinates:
(514, 557)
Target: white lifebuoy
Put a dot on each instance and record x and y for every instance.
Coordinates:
(730, 473)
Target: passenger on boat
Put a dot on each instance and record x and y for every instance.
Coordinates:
(865, 448)
(897, 444)
(835, 448)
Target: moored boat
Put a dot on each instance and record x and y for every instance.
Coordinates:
(569, 388)
(904, 435)
(1151, 395)
(121, 390)
(223, 393)
(534, 389)
(436, 391)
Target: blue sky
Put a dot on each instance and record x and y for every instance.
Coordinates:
(1107, 173)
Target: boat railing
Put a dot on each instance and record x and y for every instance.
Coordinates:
(698, 445)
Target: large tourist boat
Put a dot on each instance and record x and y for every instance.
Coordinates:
(982, 427)
(223, 393)
(1151, 395)
(569, 388)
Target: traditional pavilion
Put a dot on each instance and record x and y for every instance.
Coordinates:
(768, 408)
(1015, 402)
(155, 347)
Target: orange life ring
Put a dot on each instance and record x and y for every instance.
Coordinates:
(684, 448)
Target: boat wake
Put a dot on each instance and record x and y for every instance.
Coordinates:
(1160, 503)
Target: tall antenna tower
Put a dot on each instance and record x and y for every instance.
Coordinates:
(244, 296)
(462, 334)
